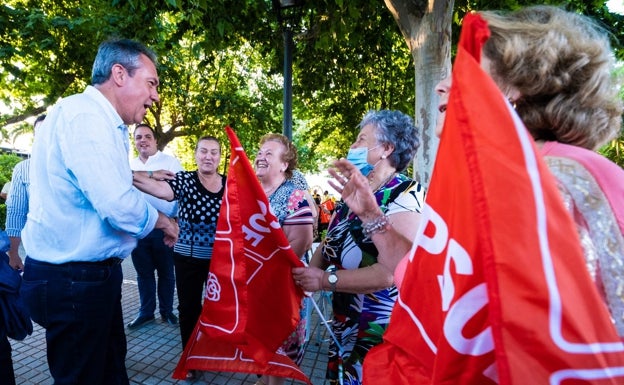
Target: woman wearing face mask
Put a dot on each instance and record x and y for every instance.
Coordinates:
(364, 293)
(570, 112)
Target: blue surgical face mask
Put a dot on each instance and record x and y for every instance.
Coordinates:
(358, 156)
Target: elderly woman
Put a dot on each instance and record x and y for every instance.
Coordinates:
(364, 293)
(570, 110)
(563, 90)
(274, 164)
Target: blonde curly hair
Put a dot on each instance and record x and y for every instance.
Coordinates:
(562, 65)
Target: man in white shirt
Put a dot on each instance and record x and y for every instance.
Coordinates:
(151, 253)
(84, 216)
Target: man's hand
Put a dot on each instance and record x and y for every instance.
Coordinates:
(163, 175)
(169, 227)
(14, 260)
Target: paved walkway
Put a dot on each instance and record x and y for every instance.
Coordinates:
(154, 350)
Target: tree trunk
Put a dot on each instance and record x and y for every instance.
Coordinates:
(426, 27)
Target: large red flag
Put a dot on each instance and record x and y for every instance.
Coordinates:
(251, 304)
(496, 290)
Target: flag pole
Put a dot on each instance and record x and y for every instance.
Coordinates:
(331, 333)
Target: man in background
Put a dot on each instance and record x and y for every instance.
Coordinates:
(17, 207)
(151, 252)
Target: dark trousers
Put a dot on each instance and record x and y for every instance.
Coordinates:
(152, 254)
(7, 376)
(191, 275)
(79, 305)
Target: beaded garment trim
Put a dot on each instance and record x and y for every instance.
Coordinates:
(600, 235)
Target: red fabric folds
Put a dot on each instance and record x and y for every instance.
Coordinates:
(496, 291)
(251, 304)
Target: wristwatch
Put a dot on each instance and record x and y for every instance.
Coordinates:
(332, 278)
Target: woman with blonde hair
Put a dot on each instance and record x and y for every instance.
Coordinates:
(565, 90)
(557, 70)
(275, 165)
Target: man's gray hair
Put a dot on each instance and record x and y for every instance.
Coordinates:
(118, 51)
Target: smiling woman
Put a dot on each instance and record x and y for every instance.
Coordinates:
(274, 164)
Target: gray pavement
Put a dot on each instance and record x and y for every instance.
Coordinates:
(154, 350)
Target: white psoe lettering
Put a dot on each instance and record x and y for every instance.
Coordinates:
(471, 302)
(257, 225)
(458, 316)
(463, 266)
(436, 244)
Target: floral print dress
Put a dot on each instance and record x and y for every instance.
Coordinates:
(359, 320)
(291, 207)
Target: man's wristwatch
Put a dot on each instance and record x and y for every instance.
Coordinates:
(332, 278)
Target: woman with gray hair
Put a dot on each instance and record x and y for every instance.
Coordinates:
(364, 293)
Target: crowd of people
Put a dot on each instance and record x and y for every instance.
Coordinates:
(81, 208)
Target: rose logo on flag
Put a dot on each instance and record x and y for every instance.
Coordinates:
(240, 330)
(213, 289)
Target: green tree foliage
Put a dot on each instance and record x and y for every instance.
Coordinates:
(615, 149)
(221, 63)
(47, 47)
(350, 58)
(228, 73)
(7, 163)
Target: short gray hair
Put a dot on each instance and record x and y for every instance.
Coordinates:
(118, 51)
(395, 128)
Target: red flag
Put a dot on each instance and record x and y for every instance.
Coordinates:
(496, 290)
(251, 304)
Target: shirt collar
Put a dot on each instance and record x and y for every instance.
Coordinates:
(105, 104)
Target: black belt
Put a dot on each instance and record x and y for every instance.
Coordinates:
(108, 262)
(113, 261)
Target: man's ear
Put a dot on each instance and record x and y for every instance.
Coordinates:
(118, 74)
